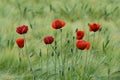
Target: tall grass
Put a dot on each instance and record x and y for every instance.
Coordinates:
(101, 62)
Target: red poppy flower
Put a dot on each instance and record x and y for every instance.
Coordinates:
(79, 34)
(57, 24)
(20, 42)
(48, 39)
(88, 46)
(22, 29)
(82, 44)
(94, 27)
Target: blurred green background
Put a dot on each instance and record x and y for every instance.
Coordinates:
(39, 14)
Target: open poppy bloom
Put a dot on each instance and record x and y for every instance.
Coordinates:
(20, 42)
(82, 44)
(48, 39)
(79, 34)
(88, 46)
(22, 29)
(57, 24)
(94, 27)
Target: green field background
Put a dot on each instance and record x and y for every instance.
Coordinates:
(39, 14)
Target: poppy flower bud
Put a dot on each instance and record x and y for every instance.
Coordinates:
(52, 54)
(40, 53)
(71, 50)
(76, 30)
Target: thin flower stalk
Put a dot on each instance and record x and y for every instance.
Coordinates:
(29, 62)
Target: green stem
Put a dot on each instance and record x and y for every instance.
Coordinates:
(19, 60)
(19, 57)
(47, 62)
(93, 40)
(85, 66)
(29, 62)
(79, 56)
(90, 62)
(72, 62)
(61, 44)
(55, 66)
(23, 58)
(62, 57)
(55, 59)
(108, 73)
(40, 55)
(23, 54)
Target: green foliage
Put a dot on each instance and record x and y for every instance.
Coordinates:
(101, 62)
